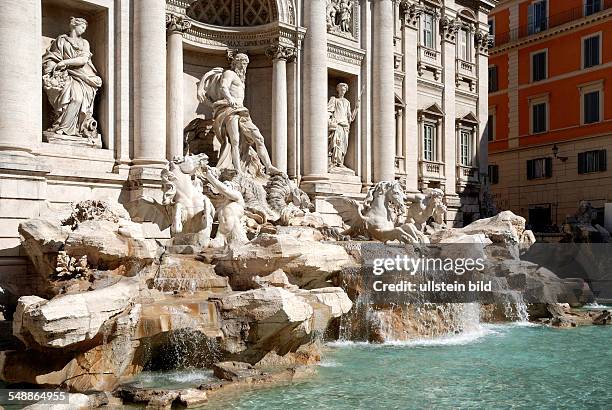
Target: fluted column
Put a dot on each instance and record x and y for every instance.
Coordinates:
(279, 55)
(383, 101)
(149, 95)
(20, 76)
(175, 26)
(292, 126)
(411, 14)
(315, 89)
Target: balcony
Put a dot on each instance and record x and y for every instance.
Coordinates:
(431, 171)
(548, 23)
(467, 175)
(431, 60)
(466, 71)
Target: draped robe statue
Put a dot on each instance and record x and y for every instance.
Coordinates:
(71, 82)
(340, 119)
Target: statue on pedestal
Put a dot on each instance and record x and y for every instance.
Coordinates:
(71, 82)
(340, 119)
(224, 90)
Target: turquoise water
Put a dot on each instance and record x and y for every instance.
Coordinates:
(501, 367)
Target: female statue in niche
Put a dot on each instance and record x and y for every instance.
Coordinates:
(339, 124)
(71, 82)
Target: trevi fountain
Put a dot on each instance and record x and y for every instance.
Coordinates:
(260, 293)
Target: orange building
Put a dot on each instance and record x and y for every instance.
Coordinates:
(550, 107)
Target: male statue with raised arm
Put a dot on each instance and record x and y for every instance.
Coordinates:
(225, 90)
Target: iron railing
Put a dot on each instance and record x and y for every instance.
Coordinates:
(541, 25)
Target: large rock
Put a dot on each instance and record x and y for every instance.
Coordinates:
(96, 365)
(307, 263)
(71, 319)
(110, 245)
(504, 228)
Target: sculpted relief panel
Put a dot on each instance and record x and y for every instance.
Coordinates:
(342, 17)
(71, 82)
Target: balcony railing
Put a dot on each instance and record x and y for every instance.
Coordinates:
(431, 170)
(467, 175)
(429, 59)
(543, 24)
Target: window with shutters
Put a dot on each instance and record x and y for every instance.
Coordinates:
(591, 51)
(429, 142)
(427, 31)
(591, 102)
(465, 148)
(494, 174)
(463, 45)
(539, 65)
(491, 126)
(592, 161)
(538, 16)
(591, 7)
(539, 168)
(539, 117)
(591, 107)
(493, 84)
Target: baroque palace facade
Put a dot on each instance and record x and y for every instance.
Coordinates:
(97, 95)
(550, 104)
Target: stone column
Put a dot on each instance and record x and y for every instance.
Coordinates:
(315, 90)
(149, 86)
(383, 92)
(279, 55)
(175, 26)
(20, 76)
(292, 121)
(449, 30)
(399, 137)
(410, 25)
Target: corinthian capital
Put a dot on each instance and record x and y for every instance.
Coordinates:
(449, 28)
(482, 39)
(280, 52)
(176, 23)
(410, 13)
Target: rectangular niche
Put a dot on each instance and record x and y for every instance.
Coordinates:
(334, 78)
(56, 16)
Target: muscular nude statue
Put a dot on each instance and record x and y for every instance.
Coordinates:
(224, 89)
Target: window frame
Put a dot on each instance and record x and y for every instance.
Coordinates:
(547, 171)
(469, 132)
(532, 66)
(493, 170)
(537, 101)
(434, 140)
(496, 70)
(598, 161)
(468, 49)
(593, 12)
(492, 125)
(422, 36)
(531, 26)
(587, 88)
(583, 39)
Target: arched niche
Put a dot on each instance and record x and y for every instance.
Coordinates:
(241, 13)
